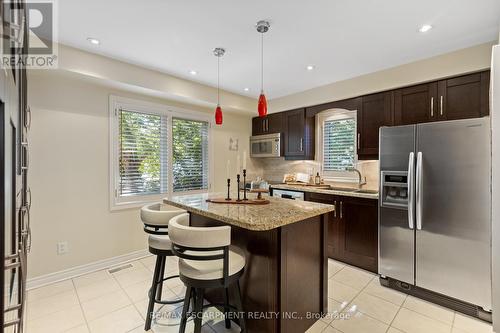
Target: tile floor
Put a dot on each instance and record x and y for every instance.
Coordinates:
(117, 302)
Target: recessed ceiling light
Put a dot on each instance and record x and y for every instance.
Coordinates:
(425, 28)
(309, 67)
(94, 41)
(246, 89)
(193, 72)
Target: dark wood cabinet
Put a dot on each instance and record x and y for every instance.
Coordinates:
(376, 111)
(298, 135)
(464, 97)
(417, 104)
(272, 123)
(352, 229)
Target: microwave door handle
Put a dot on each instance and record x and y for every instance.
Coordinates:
(411, 190)
(419, 192)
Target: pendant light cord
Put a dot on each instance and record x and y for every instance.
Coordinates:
(262, 63)
(218, 80)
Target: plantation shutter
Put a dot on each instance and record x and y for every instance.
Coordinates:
(339, 144)
(142, 153)
(190, 154)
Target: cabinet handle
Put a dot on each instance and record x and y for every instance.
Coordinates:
(432, 107)
(359, 141)
(301, 144)
(27, 120)
(263, 126)
(441, 105)
(335, 211)
(341, 209)
(267, 125)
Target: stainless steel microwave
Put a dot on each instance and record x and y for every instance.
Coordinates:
(268, 145)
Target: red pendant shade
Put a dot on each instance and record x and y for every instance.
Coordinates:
(262, 105)
(218, 115)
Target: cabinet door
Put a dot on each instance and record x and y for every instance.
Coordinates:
(359, 232)
(333, 222)
(257, 126)
(464, 97)
(274, 123)
(375, 112)
(294, 128)
(416, 104)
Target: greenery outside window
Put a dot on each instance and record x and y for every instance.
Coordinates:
(156, 152)
(337, 144)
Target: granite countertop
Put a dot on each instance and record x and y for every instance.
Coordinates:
(313, 189)
(278, 213)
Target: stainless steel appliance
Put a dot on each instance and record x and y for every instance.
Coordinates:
(268, 145)
(287, 194)
(434, 212)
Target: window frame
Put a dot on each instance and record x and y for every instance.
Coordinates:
(117, 102)
(335, 114)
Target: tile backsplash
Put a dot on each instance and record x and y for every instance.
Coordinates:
(273, 169)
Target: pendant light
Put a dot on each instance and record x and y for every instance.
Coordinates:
(262, 27)
(218, 52)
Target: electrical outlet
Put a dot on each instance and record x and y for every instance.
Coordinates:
(62, 248)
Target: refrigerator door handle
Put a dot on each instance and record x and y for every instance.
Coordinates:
(411, 190)
(419, 191)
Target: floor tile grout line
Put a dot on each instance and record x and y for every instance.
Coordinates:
(81, 307)
(429, 317)
(399, 309)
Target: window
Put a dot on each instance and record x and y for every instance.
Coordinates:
(337, 143)
(156, 152)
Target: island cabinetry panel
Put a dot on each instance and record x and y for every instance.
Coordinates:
(286, 273)
(352, 229)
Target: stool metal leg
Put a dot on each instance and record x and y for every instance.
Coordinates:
(160, 279)
(226, 308)
(239, 306)
(152, 293)
(185, 308)
(198, 311)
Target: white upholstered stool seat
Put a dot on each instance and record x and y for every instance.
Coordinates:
(160, 242)
(211, 269)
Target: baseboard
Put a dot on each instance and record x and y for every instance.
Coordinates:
(69, 273)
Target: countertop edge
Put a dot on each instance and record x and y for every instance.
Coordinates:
(323, 191)
(243, 225)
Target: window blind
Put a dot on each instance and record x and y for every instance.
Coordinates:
(339, 144)
(142, 153)
(189, 154)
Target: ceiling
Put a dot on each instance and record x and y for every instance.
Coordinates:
(341, 38)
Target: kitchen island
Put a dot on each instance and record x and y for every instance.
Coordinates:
(285, 244)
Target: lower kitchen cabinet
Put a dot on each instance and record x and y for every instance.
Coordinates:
(352, 229)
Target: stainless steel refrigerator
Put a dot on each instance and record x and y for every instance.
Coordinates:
(435, 212)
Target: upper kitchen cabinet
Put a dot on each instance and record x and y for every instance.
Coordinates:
(464, 96)
(272, 123)
(375, 111)
(417, 104)
(298, 135)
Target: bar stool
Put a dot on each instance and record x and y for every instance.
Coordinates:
(156, 218)
(206, 261)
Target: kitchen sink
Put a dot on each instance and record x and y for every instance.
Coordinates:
(367, 191)
(353, 190)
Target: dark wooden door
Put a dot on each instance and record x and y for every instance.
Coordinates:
(274, 122)
(417, 104)
(376, 111)
(464, 97)
(358, 229)
(294, 127)
(258, 126)
(333, 222)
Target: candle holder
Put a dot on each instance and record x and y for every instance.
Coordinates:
(228, 186)
(245, 184)
(238, 181)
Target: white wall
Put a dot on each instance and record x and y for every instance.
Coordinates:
(462, 61)
(69, 172)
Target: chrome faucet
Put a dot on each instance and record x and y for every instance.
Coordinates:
(360, 181)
